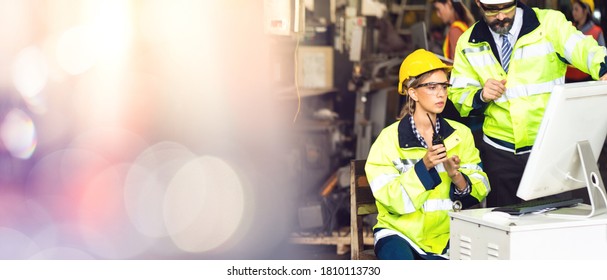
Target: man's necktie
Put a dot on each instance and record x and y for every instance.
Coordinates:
(506, 52)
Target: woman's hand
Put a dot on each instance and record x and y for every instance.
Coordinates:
(435, 155)
(452, 166)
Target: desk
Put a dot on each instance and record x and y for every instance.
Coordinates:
(531, 236)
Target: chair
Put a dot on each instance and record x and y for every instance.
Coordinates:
(362, 203)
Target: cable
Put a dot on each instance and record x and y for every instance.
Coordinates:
(598, 187)
(296, 58)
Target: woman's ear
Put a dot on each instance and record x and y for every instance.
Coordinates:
(412, 93)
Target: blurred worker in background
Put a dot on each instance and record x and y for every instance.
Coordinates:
(505, 67)
(458, 18)
(583, 19)
(422, 167)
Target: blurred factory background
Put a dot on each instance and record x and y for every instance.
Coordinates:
(188, 129)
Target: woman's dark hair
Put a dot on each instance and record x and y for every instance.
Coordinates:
(589, 15)
(461, 11)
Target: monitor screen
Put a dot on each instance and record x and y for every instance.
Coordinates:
(570, 138)
(419, 36)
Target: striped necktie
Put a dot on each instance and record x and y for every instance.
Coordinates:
(506, 52)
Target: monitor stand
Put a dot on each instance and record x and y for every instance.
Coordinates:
(594, 184)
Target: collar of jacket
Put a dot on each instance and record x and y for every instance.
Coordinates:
(480, 31)
(406, 138)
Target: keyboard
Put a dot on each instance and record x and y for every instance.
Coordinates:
(534, 205)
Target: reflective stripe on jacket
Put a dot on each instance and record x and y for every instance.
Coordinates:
(539, 61)
(413, 200)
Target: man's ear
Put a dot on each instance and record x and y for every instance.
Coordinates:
(478, 3)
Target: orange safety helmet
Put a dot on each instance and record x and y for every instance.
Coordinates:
(589, 3)
(417, 63)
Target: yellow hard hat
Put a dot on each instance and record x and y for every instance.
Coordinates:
(417, 63)
(589, 3)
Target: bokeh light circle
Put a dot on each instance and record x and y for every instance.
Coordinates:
(203, 205)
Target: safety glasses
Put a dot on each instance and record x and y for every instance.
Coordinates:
(491, 12)
(434, 87)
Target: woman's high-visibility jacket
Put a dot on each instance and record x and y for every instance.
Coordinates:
(446, 44)
(546, 43)
(574, 74)
(412, 200)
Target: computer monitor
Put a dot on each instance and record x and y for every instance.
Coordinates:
(564, 155)
(419, 38)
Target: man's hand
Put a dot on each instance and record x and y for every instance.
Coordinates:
(493, 89)
(604, 77)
